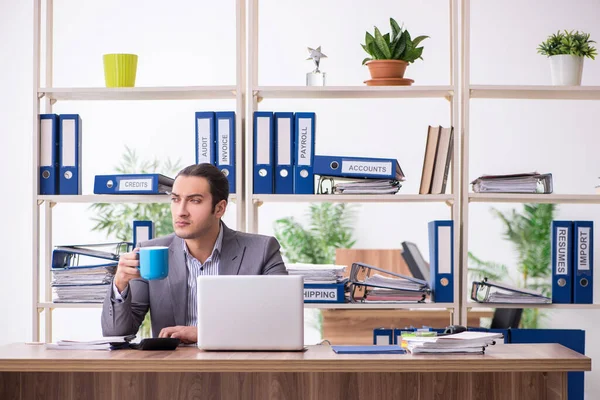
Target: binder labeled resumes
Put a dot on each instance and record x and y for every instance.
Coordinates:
(358, 167)
(562, 262)
(284, 152)
(583, 262)
(132, 184)
(304, 179)
(49, 135)
(441, 260)
(142, 231)
(205, 137)
(263, 152)
(70, 154)
(226, 145)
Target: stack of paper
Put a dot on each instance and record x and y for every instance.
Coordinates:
(80, 293)
(106, 343)
(488, 291)
(464, 342)
(318, 273)
(516, 183)
(337, 185)
(392, 283)
(385, 286)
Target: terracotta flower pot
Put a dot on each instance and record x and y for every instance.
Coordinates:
(386, 68)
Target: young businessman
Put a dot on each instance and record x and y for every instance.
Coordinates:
(201, 245)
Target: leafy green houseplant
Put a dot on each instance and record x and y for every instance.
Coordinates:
(116, 219)
(566, 51)
(529, 231)
(390, 53)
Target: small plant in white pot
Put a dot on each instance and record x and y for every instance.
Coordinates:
(566, 51)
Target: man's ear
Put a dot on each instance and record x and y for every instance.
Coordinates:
(220, 208)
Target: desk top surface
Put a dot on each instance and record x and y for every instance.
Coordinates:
(498, 358)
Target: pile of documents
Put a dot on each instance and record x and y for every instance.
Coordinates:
(375, 285)
(106, 343)
(488, 291)
(318, 273)
(532, 182)
(458, 343)
(336, 185)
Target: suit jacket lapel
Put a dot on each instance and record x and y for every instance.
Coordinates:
(178, 280)
(232, 253)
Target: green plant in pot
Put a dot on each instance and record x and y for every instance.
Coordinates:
(566, 51)
(390, 53)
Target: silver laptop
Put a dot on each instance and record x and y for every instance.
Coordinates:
(250, 312)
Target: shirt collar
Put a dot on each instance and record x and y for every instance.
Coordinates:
(216, 248)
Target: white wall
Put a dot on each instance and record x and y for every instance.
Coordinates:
(192, 43)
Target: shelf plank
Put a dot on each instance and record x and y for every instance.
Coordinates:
(535, 92)
(352, 92)
(545, 306)
(358, 198)
(534, 198)
(141, 93)
(110, 198)
(69, 305)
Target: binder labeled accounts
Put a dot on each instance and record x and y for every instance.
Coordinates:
(132, 184)
(358, 167)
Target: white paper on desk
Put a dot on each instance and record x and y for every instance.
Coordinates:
(104, 340)
(56, 346)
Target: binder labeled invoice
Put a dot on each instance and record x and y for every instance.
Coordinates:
(225, 124)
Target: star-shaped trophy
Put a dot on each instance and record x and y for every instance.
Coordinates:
(316, 77)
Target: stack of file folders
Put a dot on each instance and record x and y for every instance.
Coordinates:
(492, 292)
(337, 185)
(370, 284)
(458, 343)
(83, 273)
(323, 283)
(532, 182)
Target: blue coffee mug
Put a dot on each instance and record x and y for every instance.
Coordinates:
(154, 262)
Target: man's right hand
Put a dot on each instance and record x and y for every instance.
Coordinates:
(127, 269)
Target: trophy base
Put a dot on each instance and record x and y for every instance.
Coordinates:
(315, 78)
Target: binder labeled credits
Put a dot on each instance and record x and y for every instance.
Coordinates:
(284, 152)
(132, 184)
(49, 135)
(142, 231)
(263, 152)
(441, 256)
(583, 262)
(70, 154)
(225, 123)
(304, 180)
(205, 137)
(562, 262)
(358, 167)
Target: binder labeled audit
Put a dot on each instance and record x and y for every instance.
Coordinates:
(226, 146)
(205, 137)
(142, 231)
(441, 260)
(562, 262)
(358, 167)
(132, 184)
(304, 179)
(263, 153)
(70, 154)
(284, 152)
(49, 135)
(583, 262)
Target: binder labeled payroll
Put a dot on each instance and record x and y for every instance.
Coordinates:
(284, 152)
(70, 154)
(142, 231)
(49, 135)
(226, 146)
(304, 179)
(441, 260)
(324, 292)
(132, 184)
(358, 167)
(562, 262)
(263, 152)
(583, 262)
(205, 137)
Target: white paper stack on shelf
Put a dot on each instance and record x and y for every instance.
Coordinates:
(488, 291)
(106, 343)
(532, 182)
(80, 293)
(318, 273)
(392, 283)
(337, 185)
(464, 342)
(385, 286)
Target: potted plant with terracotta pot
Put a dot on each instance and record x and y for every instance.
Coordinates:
(390, 54)
(566, 51)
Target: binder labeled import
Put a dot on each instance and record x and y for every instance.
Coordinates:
(284, 153)
(441, 259)
(70, 154)
(583, 265)
(205, 137)
(132, 184)
(304, 179)
(226, 146)
(263, 152)
(358, 167)
(49, 135)
(562, 262)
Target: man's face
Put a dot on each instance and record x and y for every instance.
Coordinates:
(191, 207)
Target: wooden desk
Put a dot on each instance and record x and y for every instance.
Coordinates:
(505, 372)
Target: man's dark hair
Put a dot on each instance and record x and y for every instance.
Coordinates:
(219, 185)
